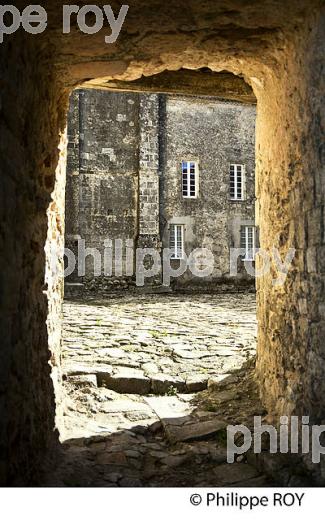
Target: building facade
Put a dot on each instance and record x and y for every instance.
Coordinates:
(160, 191)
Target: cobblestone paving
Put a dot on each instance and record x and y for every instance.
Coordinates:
(133, 368)
(154, 344)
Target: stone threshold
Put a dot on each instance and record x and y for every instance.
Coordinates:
(133, 381)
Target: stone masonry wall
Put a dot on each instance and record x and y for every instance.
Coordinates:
(149, 152)
(32, 121)
(54, 279)
(291, 191)
(149, 164)
(112, 182)
(214, 134)
(158, 133)
(102, 182)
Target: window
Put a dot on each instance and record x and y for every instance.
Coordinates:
(237, 182)
(189, 179)
(176, 240)
(247, 241)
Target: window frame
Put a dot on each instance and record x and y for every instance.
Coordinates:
(176, 255)
(235, 197)
(247, 257)
(187, 175)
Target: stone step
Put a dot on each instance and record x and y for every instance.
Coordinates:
(125, 380)
(133, 381)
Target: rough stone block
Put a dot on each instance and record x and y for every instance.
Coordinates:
(196, 383)
(194, 431)
(128, 381)
(162, 384)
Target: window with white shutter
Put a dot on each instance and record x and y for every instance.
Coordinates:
(176, 240)
(248, 241)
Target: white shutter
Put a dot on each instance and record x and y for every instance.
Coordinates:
(176, 240)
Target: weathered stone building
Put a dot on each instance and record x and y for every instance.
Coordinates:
(160, 172)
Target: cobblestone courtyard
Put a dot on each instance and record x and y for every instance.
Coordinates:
(157, 344)
(137, 370)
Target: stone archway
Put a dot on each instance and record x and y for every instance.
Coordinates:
(277, 47)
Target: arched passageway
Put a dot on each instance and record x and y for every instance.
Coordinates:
(278, 48)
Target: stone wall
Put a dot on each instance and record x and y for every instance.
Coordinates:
(149, 165)
(132, 191)
(33, 108)
(102, 183)
(214, 134)
(290, 191)
(54, 277)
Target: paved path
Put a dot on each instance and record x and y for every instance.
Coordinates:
(133, 367)
(157, 344)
